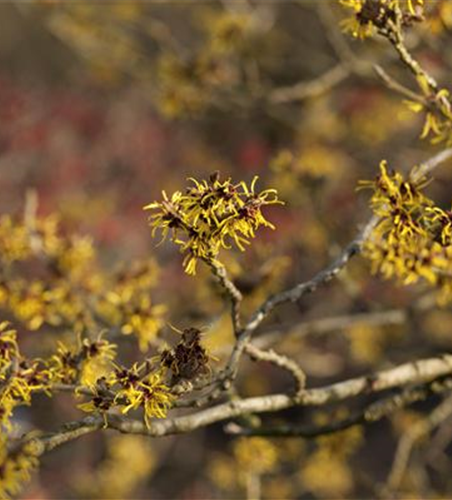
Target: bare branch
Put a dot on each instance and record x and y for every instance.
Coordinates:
(296, 293)
(324, 326)
(398, 87)
(427, 167)
(281, 361)
(409, 439)
(311, 88)
(233, 292)
(373, 412)
(69, 432)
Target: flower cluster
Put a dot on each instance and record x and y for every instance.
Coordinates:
(438, 112)
(371, 16)
(388, 18)
(52, 279)
(91, 360)
(127, 303)
(189, 85)
(19, 377)
(211, 215)
(130, 389)
(16, 466)
(412, 240)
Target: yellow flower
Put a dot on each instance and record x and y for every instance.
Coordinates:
(412, 240)
(256, 454)
(209, 216)
(149, 393)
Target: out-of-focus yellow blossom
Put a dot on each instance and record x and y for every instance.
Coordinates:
(84, 364)
(230, 31)
(340, 444)
(37, 303)
(98, 361)
(330, 459)
(440, 19)
(145, 321)
(209, 216)
(365, 342)
(299, 176)
(16, 467)
(77, 256)
(126, 304)
(134, 316)
(185, 85)
(257, 455)
(14, 241)
(222, 472)
(369, 123)
(368, 342)
(327, 475)
(128, 463)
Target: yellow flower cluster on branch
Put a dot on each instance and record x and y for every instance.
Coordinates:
(91, 360)
(211, 215)
(132, 388)
(438, 112)
(370, 16)
(412, 241)
(19, 377)
(389, 18)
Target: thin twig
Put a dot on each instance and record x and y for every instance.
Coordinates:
(409, 439)
(280, 361)
(311, 88)
(398, 87)
(233, 292)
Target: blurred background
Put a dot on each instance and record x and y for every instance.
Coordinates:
(105, 104)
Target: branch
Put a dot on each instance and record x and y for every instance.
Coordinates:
(280, 361)
(373, 412)
(427, 167)
(69, 432)
(233, 292)
(296, 293)
(417, 372)
(324, 326)
(409, 439)
(398, 87)
(311, 88)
